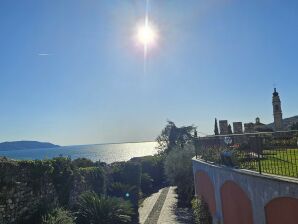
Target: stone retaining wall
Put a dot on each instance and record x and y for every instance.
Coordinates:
(19, 200)
(240, 196)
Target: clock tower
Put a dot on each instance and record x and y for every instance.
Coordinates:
(277, 112)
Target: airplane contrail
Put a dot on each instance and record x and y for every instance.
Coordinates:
(43, 54)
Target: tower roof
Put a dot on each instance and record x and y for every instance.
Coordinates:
(275, 93)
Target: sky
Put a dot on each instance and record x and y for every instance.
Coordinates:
(71, 71)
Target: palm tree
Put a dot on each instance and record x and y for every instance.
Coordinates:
(121, 190)
(93, 209)
(58, 216)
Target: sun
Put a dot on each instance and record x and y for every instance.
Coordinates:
(146, 35)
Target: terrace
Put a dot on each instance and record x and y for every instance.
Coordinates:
(266, 153)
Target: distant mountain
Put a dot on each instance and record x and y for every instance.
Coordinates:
(287, 122)
(18, 145)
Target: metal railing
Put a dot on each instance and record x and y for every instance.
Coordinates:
(273, 153)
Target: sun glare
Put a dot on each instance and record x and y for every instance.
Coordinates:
(146, 35)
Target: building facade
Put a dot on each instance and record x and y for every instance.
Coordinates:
(237, 128)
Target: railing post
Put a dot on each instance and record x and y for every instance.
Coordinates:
(259, 150)
(256, 149)
(259, 163)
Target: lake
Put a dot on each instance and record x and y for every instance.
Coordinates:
(104, 152)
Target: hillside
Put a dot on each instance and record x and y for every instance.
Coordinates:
(18, 145)
(287, 122)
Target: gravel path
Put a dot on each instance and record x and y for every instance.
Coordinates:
(147, 206)
(155, 212)
(161, 208)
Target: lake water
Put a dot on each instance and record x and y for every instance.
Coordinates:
(104, 152)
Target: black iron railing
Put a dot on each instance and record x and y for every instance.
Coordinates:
(274, 153)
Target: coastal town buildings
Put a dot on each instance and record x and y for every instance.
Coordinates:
(257, 126)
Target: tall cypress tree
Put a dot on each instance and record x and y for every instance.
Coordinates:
(216, 128)
(230, 129)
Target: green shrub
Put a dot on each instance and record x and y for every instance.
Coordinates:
(178, 169)
(118, 189)
(132, 174)
(212, 154)
(128, 173)
(154, 167)
(146, 183)
(63, 176)
(58, 216)
(201, 211)
(95, 177)
(38, 170)
(9, 171)
(82, 163)
(95, 210)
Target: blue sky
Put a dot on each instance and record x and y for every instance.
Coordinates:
(214, 58)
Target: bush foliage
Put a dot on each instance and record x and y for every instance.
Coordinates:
(58, 216)
(201, 211)
(93, 209)
(95, 177)
(178, 169)
(63, 176)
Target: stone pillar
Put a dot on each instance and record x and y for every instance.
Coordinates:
(237, 128)
(223, 127)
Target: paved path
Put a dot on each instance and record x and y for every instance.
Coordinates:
(161, 208)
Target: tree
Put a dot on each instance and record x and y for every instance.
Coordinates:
(172, 136)
(93, 209)
(230, 129)
(154, 167)
(178, 169)
(216, 128)
(294, 126)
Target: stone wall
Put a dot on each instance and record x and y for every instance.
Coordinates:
(240, 196)
(21, 196)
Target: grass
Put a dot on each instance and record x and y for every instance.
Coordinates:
(278, 162)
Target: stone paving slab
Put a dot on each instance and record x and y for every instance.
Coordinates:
(155, 212)
(161, 208)
(147, 206)
(167, 214)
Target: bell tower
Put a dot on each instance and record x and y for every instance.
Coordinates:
(277, 112)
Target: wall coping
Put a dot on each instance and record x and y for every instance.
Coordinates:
(249, 172)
